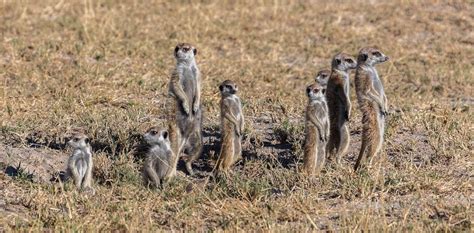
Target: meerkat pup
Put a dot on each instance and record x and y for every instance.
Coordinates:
(185, 88)
(232, 124)
(160, 159)
(372, 102)
(339, 105)
(317, 129)
(322, 77)
(80, 165)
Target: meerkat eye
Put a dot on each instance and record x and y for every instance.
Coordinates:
(316, 90)
(377, 54)
(153, 132)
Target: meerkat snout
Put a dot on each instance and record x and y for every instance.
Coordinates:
(322, 77)
(371, 56)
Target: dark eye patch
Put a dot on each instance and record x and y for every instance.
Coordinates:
(378, 54)
(228, 86)
(349, 60)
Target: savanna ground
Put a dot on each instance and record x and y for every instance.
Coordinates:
(103, 66)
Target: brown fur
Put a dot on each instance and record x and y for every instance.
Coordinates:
(317, 130)
(185, 88)
(339, 105)
(372, 103)
(232, 123)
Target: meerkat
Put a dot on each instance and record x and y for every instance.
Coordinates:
(160, 159)
(339, 105)
(185, 88)
(322, 77)
(232, 124)
(80, 164)
(372, 102)
(317, 129)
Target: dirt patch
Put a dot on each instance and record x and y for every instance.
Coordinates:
(37, 164)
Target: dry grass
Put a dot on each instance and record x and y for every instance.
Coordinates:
(104, 65)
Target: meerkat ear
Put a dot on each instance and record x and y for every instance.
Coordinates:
(87, 140)
(165, 134)
(221, 87)
(324, 91)
(338, 61)
(195, 51)
(362, 57)
(308, 90)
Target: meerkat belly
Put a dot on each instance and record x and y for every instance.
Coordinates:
(189, 83)
(81, 165)
(378, 85)
(162, 166)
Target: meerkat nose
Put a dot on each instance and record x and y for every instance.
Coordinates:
(387, 58)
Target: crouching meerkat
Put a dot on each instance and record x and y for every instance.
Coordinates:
(160, 160)
(339, 105)
(185, 88)
(322, 77)
(79, 165)
(232, 124)
(316, 129)
(372, 103)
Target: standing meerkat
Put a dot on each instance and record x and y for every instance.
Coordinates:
(372, 102)
(185, 88)
(160, 159)
(322, 77)
(232, 124)
(317, 129)
(80, 164)
(339, 105)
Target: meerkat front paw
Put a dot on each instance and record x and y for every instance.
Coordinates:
(195, 107)
(186, 107)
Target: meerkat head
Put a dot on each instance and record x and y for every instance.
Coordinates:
(228, 88)
(315, 91)
(343, 62)
(185, 52)
(79, 141)
(371, 56)
(156, 136)
(322, 77)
